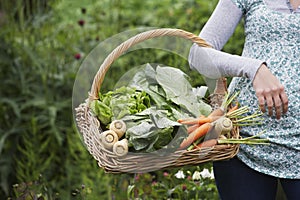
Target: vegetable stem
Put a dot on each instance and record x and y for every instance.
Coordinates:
(247, 140)
(195, 143)
(228, 100)
(241, 141)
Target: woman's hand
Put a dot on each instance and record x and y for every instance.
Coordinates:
(270, 92)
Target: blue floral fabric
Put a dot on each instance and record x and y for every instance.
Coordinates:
(274, 37)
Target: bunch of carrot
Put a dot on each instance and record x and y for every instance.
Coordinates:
(208, 131)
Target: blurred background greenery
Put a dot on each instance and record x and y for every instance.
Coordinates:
(43, 43)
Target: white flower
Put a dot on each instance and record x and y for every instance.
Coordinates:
(207, 174)
(212, 176)
(179, 175)
(196, 176)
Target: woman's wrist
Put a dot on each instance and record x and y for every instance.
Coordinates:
(260, 69)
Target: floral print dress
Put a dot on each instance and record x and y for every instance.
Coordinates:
(274, 37)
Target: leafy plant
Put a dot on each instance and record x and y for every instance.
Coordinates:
(42, 46)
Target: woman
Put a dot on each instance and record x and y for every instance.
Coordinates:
(267, 76)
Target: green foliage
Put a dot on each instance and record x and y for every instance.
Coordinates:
(185, 183)
(42, 46)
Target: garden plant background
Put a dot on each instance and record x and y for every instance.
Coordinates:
(42, 46)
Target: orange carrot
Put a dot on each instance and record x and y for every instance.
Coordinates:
(207, 143)
(200, 131)
(208, 119)
(217, 112)
(213, 116)
(235, 107)
(189, 121)
(201, 116)
(191, 128)
(199, 121)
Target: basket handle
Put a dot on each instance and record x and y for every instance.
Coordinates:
(117, 52)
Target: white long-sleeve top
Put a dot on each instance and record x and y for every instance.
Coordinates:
(216, 32)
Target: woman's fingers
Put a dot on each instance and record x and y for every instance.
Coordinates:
(273, 102)
(270, 104)
(285, 101)
(280, 100)
(278, 106)
(261, 101)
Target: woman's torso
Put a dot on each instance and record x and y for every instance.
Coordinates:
(273, 35)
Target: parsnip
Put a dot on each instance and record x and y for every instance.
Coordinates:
(108, 138)
(119, 127)
(120, 148)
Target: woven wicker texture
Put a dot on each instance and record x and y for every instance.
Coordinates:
(89, 125)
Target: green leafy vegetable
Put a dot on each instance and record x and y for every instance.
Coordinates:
(150, 105)
(163, 90)
(147, 137)
(126, 101)
(101, 108)
(119, 103)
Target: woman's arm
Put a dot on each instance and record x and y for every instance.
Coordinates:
(221, 24)
(213, 63)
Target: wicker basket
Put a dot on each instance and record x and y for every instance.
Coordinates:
(89, 125)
